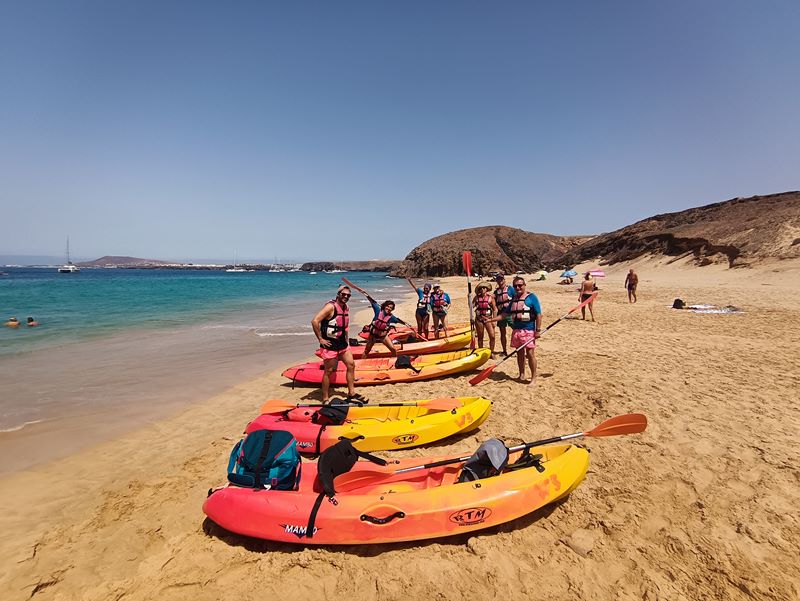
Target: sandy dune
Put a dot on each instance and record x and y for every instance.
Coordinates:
(701, 506)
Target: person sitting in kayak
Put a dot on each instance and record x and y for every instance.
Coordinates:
(502, 299)
(330, 326)
(423, 312)
(485, 309)
(381, 325)
(525, 312)
(440, 302)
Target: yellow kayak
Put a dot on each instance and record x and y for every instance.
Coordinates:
(382, 427)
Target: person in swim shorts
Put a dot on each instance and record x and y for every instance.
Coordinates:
(525, 312)
(588, 288)
(631, 281)
(423, 312)
(330, 327)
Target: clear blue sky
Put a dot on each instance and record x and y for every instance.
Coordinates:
(345, 130)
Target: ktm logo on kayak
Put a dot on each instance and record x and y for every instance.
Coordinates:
(464, 420)
(473, 515)
(404, 439)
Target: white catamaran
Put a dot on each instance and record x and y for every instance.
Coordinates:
(68, 267)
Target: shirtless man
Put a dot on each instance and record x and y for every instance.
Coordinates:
(587, 289)
(631, 281)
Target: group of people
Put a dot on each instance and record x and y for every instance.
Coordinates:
(13, 322)
(510, 307)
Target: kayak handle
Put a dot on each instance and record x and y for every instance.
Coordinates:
(380, 521)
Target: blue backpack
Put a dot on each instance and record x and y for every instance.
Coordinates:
(265, 459)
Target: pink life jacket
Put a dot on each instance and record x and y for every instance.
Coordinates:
(334, 328)
(425, 300)
(501, 298)
(439, 303)
(520, 312)
(380, 326)
(484, 306)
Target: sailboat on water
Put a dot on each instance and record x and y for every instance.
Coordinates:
(68, 267)
(236, 269)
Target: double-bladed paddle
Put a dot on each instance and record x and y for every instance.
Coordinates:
(485, 373)
(631, 423)
(466, 260)
(440, 404)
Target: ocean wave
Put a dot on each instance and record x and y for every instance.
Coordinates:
(20, 427)
(269, 334)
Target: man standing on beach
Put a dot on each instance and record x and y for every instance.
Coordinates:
(588, 288)
(525, 312)
(502, 299)
(631, 281)
(330, 326)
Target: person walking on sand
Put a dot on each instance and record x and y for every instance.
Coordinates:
(588, 288)
(525, 312)
(502, 299)
(330, 327)
(485, 310)
(631, 281)
(423, 312)
(440, 302)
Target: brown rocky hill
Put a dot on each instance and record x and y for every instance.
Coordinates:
(738, 231)
(495, 247)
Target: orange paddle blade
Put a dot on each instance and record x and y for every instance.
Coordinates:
(631, 423)
(466, 259)
(442, 404)
(483, 375)
(273, 405)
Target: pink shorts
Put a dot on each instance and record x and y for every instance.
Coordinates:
(326, 353)
(520, 337)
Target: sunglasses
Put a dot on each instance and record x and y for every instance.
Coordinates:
(344, 295)
(519, 285)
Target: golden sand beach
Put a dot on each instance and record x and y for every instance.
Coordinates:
(703, 505)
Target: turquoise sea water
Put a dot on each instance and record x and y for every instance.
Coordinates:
(100, 302)
(118, 348)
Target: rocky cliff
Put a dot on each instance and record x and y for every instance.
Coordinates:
(494, 248)
(736, 232)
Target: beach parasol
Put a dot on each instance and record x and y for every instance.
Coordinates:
(597, 273)
(570, 273)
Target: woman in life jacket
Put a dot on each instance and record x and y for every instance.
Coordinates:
(525, 313)
(381, 325)
(485, 309)
(440, 302)
(330, 327)
(423, 312)
(502, 299)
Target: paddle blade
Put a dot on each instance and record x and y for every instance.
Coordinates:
(483, 375)
(442, 404)
(275, 405)
(466, 261)
(631, 423)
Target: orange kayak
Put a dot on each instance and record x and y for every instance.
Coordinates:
(427, 503)
(453, 342)
(383, 371)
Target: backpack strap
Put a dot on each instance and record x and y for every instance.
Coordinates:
(261, 458)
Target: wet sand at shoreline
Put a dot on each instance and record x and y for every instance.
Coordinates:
(702, 505)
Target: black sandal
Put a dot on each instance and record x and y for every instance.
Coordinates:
(358, 399)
